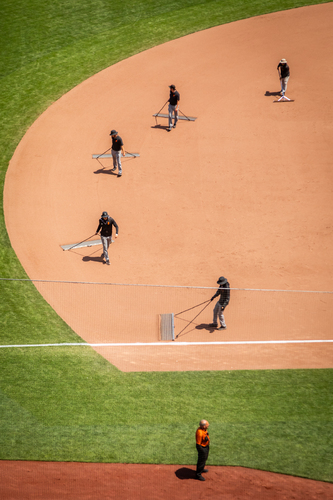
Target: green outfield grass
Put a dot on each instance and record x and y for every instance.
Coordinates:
(69, 403)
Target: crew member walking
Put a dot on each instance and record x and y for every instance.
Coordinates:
(284, 73)
(116, 151)
(105, 226)
(221, 304)
(202, 443)
(173, 106)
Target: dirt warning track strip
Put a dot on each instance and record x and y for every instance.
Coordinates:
(50, 480)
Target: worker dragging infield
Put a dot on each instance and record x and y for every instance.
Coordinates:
(224, 293)
(105, 226)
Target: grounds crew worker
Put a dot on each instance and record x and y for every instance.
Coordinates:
(221, 304)
(202, 443)
(105, 225)
(173, 106)
(117, 150)
(284, 74)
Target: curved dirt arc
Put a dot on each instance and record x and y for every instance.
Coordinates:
(233, 193)
(40, 480)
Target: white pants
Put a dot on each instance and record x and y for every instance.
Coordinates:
(218, 313)
(284, 83)
(116, 157)
(173, 111)
(106, 241)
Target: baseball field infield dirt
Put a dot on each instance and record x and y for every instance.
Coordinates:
(243, 191)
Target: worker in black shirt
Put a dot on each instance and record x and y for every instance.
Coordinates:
(224, 293)
(105, 226)
(116, 150)
(173, 106)
(284, 74)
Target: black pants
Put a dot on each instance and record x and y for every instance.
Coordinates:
(203, 452)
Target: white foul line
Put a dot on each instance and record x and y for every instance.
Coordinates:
(149, 344)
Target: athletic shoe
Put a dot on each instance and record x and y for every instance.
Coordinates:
(205, 470)
(200, 477)
(113, 169)
(108, 262)
(169, 129)
(174, 126)
(222, 328)
(119, 175)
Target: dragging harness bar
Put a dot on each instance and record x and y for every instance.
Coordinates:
(186, 118)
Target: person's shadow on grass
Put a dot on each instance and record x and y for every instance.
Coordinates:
(185, 473)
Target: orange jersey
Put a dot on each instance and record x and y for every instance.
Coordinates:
(202, 437)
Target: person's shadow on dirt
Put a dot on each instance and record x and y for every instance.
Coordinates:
(160, 127)
(105, 171)
(87, 258)
(185, 473)
(205, 326)
(109, 170)
(268, 93)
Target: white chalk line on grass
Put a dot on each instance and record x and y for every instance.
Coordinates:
(150, 344)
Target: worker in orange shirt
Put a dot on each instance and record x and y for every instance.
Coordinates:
(202, 440)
